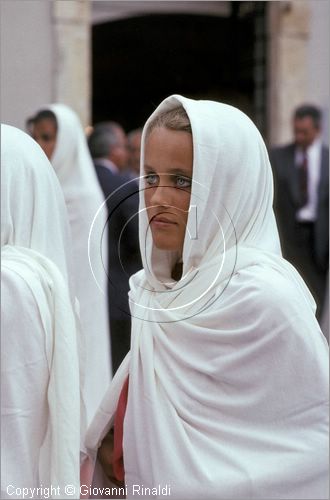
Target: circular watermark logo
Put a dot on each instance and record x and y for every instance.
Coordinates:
(193, 292)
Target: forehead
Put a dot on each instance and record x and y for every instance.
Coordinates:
(168, 149)
(45, 124)
(305, 122)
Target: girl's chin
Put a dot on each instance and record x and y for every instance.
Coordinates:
(166, 244)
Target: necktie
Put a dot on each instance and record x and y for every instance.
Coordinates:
(303, 179)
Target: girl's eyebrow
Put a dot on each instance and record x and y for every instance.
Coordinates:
(148, 167)
(170, 171)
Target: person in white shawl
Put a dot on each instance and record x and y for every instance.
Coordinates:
(64, 142)
(40, 395)
(228, 368)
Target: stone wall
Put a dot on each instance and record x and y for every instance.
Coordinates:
(288, 29)
(298, 63)
(72, 74)
(26, 59)
(45, 57)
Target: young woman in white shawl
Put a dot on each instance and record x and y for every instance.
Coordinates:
(58, 131)
(40, 339)
(224, 392)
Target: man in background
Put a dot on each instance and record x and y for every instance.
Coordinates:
(108, 147)
(301, 178)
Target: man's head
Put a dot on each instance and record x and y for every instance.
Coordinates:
(306, 125)
(108, 140)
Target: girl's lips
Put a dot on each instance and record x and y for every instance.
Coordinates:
(162, 222)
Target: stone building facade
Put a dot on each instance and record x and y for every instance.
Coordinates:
(46, 54)
(45, 57)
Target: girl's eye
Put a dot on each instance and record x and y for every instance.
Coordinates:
(151, 179)
(183, 182)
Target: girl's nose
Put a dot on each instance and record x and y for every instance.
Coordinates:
(162, 195)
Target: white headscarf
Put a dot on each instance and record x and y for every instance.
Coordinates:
(228, 367)
(87, 215)
(40, 404)
(30, 194)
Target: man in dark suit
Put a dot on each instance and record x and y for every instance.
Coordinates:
(301, 202)
(108, 147)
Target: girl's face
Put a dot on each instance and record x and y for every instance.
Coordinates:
(168, 162)
(44, 133)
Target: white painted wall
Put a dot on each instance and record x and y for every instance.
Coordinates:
(26, 59)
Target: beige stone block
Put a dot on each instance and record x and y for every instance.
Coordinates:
(294, 54)
(289, 26)
(291, 83)
(71, 10)
(295, 18)
(72, 68)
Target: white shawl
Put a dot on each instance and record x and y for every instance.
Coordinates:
(87, 216)
(228, 367)
(40, 400)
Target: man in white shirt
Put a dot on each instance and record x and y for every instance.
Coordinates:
(301, 177)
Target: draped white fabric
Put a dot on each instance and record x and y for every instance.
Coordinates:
(228, 370)
(40, 397)
(87, 215)
(30, 192)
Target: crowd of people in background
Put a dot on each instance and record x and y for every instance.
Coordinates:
(87, 243)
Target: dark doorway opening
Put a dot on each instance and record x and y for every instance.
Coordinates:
(139, 61)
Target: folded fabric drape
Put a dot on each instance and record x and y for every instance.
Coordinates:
(42, 351)
(228, 366)
(39, 282)
(87, 214)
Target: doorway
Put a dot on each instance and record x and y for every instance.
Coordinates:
(138, 61)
